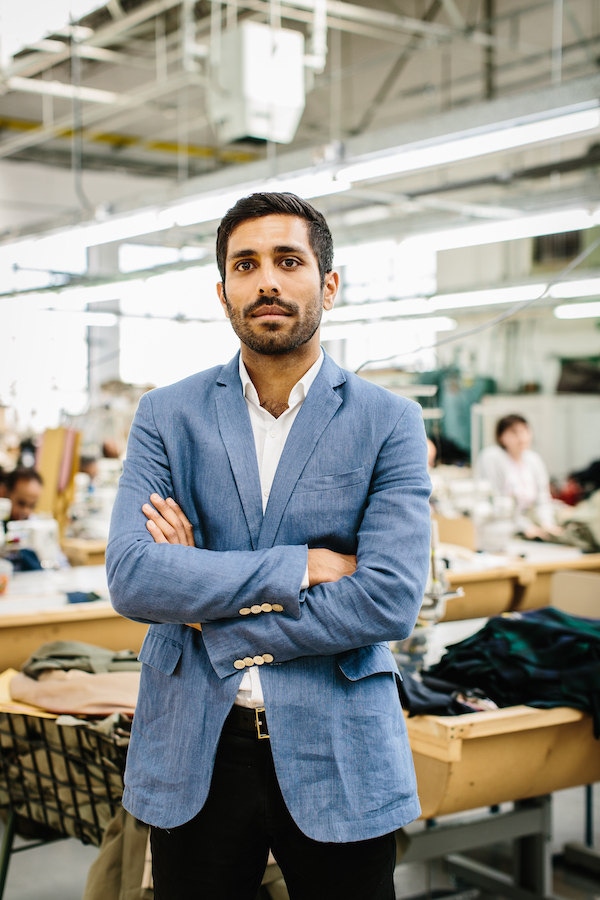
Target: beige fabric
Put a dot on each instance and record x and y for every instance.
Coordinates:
(77, 692)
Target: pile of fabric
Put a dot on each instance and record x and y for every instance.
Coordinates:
(542, 658)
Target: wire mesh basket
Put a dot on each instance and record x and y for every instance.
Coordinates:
(60, 778)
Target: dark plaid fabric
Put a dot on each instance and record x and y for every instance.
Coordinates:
(542, 658)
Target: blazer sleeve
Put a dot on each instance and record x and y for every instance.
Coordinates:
(165, 583)
(381, 600)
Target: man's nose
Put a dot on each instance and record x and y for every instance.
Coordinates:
(268, 283)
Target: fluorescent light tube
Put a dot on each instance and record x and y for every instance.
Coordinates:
(578, 311)
(519, 293)
(586, 287)
(511, 229)
(205, 208)
(423, 155)
(384, 309)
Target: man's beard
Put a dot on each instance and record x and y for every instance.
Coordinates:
(272, 340)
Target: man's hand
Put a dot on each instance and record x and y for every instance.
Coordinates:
(327, 565)
(167, 523)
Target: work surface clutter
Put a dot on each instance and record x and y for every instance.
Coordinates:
(544, 658)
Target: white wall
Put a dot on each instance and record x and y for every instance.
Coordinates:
(527, 347)
(520, 351)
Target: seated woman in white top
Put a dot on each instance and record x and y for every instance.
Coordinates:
(514, 470)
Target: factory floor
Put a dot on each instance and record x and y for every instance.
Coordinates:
(58, 871)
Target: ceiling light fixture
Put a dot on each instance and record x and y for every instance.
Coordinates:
(586, 287)
(60, 89)
(334, 331)
(416, 307)
(524, 293)
(589, 310)
(209, 207)
(519, 293)
(525, 226)
(465, 145)
(206, 207)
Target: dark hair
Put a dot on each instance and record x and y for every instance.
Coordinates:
(507, 422)
(255, 206)
(21, 474)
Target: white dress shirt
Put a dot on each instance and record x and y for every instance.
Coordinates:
(270, 435)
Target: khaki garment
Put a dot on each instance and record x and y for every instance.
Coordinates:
(120, 871)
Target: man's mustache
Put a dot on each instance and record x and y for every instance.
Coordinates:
(285, 305)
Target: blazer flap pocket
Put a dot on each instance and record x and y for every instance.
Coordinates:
(364, 661)
(160, 652)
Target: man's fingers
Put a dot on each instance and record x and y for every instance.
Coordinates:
(156, 533)
(169, 511)
(169, 521)
(160, 525)
(183, 519)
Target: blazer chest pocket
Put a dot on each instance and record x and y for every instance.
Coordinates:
(336, 481)
(160, 652)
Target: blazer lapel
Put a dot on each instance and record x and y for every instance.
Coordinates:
(236, 432)
(319, 407)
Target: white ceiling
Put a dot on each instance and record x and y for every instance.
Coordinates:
(119, 106)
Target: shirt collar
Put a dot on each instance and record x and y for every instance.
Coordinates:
(298, 392)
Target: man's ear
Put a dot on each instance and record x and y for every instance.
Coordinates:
(330, 289)
(222, 298)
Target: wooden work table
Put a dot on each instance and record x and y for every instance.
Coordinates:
(35, 610)
(531, 752)
(467, 766)
(518, 580)
(84, 551)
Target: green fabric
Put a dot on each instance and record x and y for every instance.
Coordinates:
(78, 655)
(541, 658)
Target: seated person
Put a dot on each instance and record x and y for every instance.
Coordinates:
(514, 470)
(23, 487)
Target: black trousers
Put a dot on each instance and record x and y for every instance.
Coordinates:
(221, 854)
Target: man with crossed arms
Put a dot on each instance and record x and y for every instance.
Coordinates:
(272, 526)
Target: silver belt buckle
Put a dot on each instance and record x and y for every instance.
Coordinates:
(260, 724)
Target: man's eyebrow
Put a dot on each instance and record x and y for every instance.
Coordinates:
(279, 250)
(240, 254)
(297, 249)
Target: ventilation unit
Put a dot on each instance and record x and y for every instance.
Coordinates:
(259, 91)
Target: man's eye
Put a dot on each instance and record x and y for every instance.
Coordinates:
(289, 263)
(244, 265)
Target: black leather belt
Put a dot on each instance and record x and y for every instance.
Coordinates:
(250, 722)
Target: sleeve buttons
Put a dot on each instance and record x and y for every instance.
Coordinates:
(257, 608)
(248, 661)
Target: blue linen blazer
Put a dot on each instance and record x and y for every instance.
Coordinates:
(352, 478)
